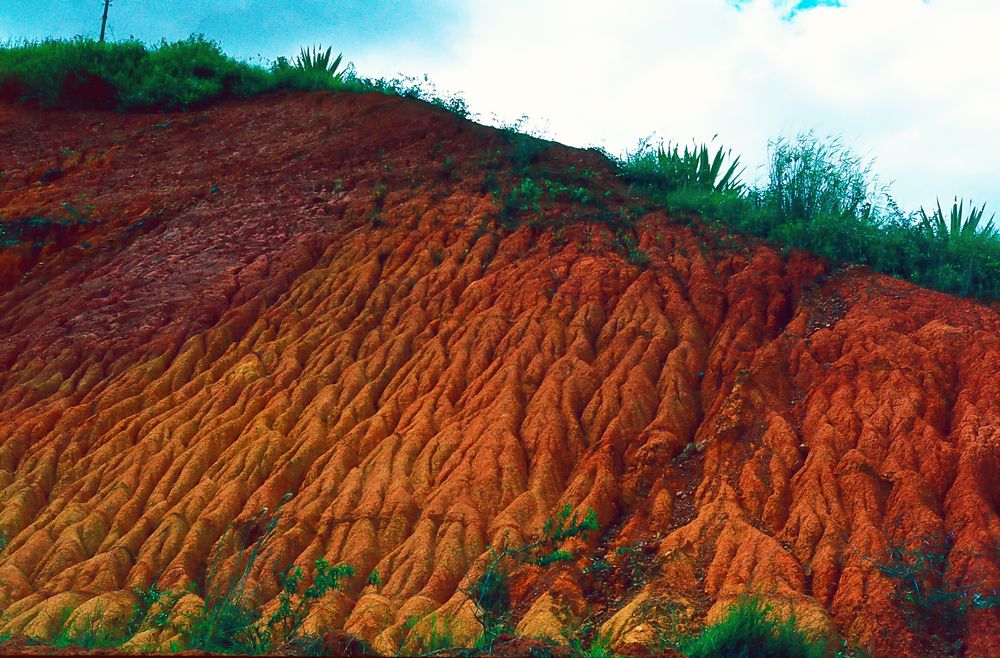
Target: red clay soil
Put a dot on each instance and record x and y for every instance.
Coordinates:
(202, 312)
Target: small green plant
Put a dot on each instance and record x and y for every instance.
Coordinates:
(559, 190)
(751, 629)
(438, 638)
(93, 634)
(625, 244)
(598, 566)
(374, 579)
(599, 647)
(448, 166)
(152, 596)
(229, 621)
(293, 608)
(78, 215)
(523, 149)
(490, 184)
(521, 199)
(4, 540)
(489, 593)
(424, 90)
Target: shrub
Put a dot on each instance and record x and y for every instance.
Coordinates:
(929, 600)
(751, 630)
(86, 74)
(522, 198)
(293, 607)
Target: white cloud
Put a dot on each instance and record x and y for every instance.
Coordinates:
(915, 83)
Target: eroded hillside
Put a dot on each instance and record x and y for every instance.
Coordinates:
(310, 295)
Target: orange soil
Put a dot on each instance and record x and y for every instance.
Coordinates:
(231, 326)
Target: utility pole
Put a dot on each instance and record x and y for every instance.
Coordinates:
(104, 19)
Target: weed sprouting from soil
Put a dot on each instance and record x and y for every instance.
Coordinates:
(489, 592)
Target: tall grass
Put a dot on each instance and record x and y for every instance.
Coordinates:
(822, 198)
(811, 178)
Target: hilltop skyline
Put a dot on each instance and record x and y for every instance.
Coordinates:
(880, 73)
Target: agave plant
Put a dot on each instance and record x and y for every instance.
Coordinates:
(693, 169)
(316, 60)
(957, 226)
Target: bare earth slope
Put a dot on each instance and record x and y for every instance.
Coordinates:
(292, 295)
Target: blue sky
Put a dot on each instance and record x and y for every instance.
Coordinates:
(912, 83)
(245, 28)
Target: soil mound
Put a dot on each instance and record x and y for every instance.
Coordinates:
(310, 295)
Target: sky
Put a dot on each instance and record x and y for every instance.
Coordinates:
(912, 84)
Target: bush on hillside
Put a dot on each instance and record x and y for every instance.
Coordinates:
(750, 629)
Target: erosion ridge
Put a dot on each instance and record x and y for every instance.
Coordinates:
(308, 294)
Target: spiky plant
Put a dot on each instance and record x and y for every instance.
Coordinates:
(668, 170)
(693, 169)
(957, 226)
(316, 60)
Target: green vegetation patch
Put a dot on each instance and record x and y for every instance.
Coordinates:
(821, 198)
(84, 74)
(750, 629)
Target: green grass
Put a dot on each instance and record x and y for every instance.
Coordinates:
(92, 635)
(818, 196)
(84, 74)
(599, 647)
(821, 198)
(438, 637)
(231, 621)
(750, 629)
